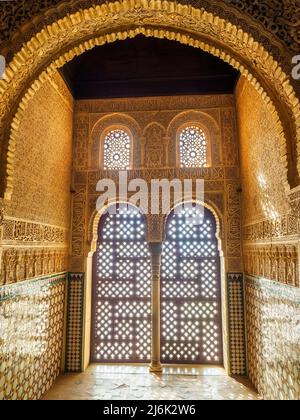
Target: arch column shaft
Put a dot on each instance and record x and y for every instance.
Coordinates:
(155, 251)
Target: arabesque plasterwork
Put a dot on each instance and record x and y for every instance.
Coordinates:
(279, 35)
(278, 262)
(147, 125)
(31, 250)
(29, 65)
(24, 263)
(35, 223)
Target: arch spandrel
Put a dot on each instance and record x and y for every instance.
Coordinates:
(154, 146)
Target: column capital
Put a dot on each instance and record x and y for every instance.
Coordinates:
(155, 227)
(155, 248)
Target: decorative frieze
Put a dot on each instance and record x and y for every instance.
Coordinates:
(177, 103)
(24, 231)
(20, 263)
(278, 262)
(287, 225)
(207, 173)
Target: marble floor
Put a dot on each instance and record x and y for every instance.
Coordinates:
(119, 382)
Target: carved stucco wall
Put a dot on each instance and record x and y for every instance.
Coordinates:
(271, 217)
(36, 219)
(153, 123)
(248, 52)
(271, 239)
(166, 114)
(263, 174)
(34, 231)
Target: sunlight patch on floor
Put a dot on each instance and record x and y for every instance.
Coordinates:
(120, 382)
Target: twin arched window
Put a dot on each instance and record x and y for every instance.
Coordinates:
(192, 146)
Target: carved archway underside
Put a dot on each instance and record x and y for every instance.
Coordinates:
(72, 35)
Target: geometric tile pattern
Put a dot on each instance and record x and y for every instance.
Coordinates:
(191, 329)
(236, 323)
(74, 322)
(31, 331)
(273, 338)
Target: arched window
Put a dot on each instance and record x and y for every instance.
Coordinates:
(193, 148)
(117, 149)
(121, 322)
(191, 327)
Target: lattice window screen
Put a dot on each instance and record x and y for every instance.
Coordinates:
(191, 329)
(121, 330)
(117, 150)
(193, 147)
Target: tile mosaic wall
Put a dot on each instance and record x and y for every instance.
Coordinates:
(236, 323)
(75, 322)
(273, 338)
(31, 336)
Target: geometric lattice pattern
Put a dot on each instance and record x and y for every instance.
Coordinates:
(117, 146)
(193, 147)
(74, 322)
(31, 337)
(190, 290)
(121, 327)
(236, 318)
(273, 338)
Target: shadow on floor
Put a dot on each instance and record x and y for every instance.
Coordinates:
(128, 382)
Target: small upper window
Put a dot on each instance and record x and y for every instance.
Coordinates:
(117, 150)
(193, 147)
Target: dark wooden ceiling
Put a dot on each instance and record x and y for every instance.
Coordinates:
(147, 67)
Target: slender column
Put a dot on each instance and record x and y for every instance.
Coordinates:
(155, 250)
